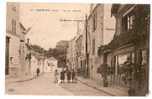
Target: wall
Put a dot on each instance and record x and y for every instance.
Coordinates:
(12, 13)
(109, 25)
(34, 65)
(96, 35)
(14, 62)
(102, 35)
(17, 48)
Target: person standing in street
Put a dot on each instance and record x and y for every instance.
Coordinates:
(56, 73)
(73, 75)
(38, 72)
(62, 76)
(68, 75)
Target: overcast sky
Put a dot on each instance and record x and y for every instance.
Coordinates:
(47, 27)
(44, 18)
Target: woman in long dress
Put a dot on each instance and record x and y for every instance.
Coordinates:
(56, 73)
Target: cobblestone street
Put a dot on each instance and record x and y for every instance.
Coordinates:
(44, 85)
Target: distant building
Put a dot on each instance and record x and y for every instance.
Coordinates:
(61, 48)
(78, 52)
(74, 50)
(37, 60)
(50, 64)
(71, 54)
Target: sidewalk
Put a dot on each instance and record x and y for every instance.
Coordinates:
(112, 91)
(9, 79)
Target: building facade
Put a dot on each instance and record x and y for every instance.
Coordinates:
(37, 61)
(75, 59)
(71, 54)
(129, 49)
(133, 28)
(61, 47)
(99, 32)
(15, 42)
(78, 52)
(50, 64)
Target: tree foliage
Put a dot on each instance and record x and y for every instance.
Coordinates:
(38, 48)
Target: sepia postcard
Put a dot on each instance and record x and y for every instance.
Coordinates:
(77, 49)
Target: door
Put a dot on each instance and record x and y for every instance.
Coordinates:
(7, 56)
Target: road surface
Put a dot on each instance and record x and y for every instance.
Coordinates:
(44, 85)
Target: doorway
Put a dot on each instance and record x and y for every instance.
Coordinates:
(7, 56)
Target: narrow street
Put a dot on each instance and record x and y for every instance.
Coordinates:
(107, 44)
(44, 85)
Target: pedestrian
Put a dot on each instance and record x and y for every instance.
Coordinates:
(73, 75)
(62, 76)
(68, 75)
(56, 73)
(38, 72)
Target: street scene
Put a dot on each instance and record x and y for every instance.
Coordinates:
(72, 49)
(44, 86)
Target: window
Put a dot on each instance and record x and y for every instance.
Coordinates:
(124, 23)
(13, 26)
(133, 57)
(122, 59)
(128, 22)
(94, 21)
(144, 57)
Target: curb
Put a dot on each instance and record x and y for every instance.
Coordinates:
(25, 79)
(96, 88)
(28, 79)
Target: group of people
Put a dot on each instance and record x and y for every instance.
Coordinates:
(65, 75)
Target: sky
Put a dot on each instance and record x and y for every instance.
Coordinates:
(44, 20)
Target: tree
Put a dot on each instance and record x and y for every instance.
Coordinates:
(38, 48)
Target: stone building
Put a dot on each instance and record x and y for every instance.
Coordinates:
(100, 30)
(76, 49)
(71, 54)
(83, 63)
(78, 52)
(129, 48)
(15, 42)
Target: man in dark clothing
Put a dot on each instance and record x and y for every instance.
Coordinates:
(68, 75)
(73, 75)
(62, 76)
(38, 72)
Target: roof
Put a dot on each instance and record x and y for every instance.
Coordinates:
(129, 37)
(104, 49)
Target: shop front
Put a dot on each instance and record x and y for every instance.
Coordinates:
(119, 58)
